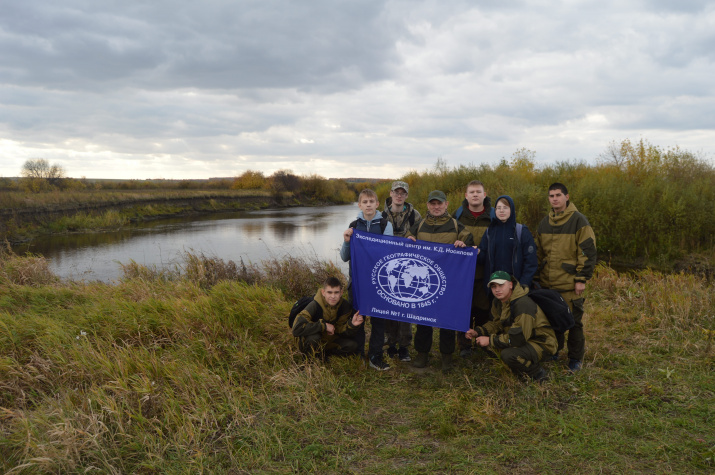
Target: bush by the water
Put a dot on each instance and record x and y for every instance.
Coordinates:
(643, 202)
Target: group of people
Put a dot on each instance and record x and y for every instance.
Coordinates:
(504, 321)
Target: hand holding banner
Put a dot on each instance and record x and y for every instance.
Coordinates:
(417, 282)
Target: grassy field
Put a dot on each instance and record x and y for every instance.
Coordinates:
(192, 370)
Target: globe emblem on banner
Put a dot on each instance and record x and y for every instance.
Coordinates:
(408, 280)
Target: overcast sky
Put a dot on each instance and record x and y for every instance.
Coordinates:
(370, 88)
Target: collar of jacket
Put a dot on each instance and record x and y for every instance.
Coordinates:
(557, 219)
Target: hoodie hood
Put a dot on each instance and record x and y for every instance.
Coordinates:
(377, 216)
(511, 221)
(557, 219)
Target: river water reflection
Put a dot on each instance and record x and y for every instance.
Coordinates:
(249, 235)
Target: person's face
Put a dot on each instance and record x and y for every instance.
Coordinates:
(503, 211)
(502, 291)
(475, 196)
(437, 207)
(332, 294)
(398, 196)
(368, 205)
(558, 200)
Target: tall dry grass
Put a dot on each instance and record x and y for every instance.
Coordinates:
(185, 372)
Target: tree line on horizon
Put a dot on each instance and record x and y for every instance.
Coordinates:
(643, 201)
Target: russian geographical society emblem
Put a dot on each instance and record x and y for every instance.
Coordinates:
(408, 280)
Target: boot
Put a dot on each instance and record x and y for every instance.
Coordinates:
(447, 363)
(541, 376)
(421, 360)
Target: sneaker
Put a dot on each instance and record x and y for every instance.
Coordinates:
(554, 357)
(447, 363)
(392, 351)
(575, 365)
(465, 353)
(404, 354)
(421, 360)
(377, 363)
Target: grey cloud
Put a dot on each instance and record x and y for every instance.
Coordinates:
(73, 45)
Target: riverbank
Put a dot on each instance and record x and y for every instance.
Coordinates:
(193, 372)
(23, 215)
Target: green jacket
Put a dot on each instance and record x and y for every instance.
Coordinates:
(442, 229)
(517, 322)
(341, 316)
(401, 221)
(565, 248)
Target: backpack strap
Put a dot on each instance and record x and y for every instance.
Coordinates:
(519, 229)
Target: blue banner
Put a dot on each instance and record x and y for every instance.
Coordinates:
(417, 282)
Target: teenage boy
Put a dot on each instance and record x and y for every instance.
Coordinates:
(518, 329)
(368, 220)
(566, 250)
(437, 226)
(328, 325)
(475, 214)
(402, 215)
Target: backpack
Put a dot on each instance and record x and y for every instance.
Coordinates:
(298, 307)
(555, 307)
(383, 224)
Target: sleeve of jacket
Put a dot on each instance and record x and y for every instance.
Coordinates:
(345, 251)
(530, 262)
(413, 230)
(493, 326)
(304, 324)
(483, 252)
(351, 329)
(464, 235)
(539, 254)
(524, 321)
(587, 258)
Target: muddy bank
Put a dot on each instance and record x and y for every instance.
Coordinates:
(20, 225)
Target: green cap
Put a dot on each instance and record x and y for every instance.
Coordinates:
(499, 277)
(437, 195)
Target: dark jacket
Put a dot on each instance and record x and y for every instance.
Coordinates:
(340, 316)
(503, 248)
(361, 224)
(477, 226)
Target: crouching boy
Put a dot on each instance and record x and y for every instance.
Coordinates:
(328, 325)
(518, 330)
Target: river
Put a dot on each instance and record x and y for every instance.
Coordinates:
(249, 235)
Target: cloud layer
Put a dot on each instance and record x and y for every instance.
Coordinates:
(350, 88)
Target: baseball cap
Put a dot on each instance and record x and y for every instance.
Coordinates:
(437, 195)
(499, 277)
(400, 184)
